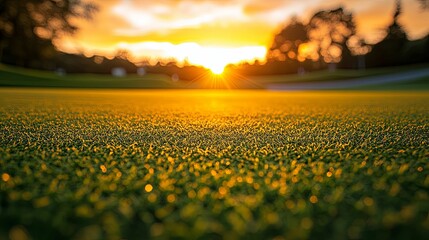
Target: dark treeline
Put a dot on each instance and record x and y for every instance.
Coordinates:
(72, 63)
(187, 72)
(29, 27)
(328, 40)
(395, 48)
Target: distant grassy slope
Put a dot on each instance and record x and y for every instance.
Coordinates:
(418, 84)
(340, 74)
(12, 76)
(19, 77)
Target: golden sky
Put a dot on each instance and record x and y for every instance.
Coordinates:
(231, 30)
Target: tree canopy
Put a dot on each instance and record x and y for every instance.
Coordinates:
(28, 27)
(389, 51)
(331, 30)
(329, 36)
(286, 43)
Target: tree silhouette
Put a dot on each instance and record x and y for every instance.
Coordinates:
(28, 27)
(287, 42)
(395, 30)
(331, 31)
(389, 51)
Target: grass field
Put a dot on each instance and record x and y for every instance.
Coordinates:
(421, 84)
(104, 164)
(19, 77)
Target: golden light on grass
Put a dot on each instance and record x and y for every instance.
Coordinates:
(368, 201)
(223, 190)
(238, 165)
(192, 194)
(41, 202)
(103, 168)
(5, 177)
(148, 188)
(18, 233)
(171, 198)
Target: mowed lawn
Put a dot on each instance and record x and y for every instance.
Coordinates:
(195, 164)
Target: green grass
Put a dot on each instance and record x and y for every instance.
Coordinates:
(421, 84)
(87, 164)
(19, 77)
(338, 75)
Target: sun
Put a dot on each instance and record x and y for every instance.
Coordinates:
(213, 58)
(216, 68)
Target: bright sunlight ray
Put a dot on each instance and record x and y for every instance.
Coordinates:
(215, 58)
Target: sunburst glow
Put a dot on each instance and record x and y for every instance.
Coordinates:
(217, 69)
(215, 58)
(168, 29)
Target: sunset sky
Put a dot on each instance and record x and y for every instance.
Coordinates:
(224, 30)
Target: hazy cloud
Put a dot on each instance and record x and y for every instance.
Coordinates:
(250, 22)
(147, 16)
